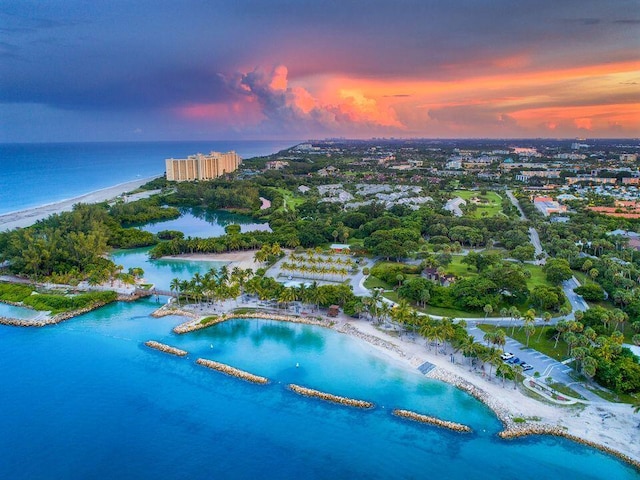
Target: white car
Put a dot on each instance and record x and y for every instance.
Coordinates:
(506, 356)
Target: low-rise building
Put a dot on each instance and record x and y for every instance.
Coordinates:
(547, 206)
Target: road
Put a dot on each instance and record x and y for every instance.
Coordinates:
(516, 204)
(577, 302)
(534, 238)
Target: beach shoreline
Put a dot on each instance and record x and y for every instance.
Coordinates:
(29, 216)
(606, 426)
(241, 259)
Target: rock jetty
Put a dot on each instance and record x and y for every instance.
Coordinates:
(418, 417)
(166, 348)
(166, 311)
(451, 378)
(512, 429)
(349, 329)
(522, 430)
(231, 371)
(193, 325)
(308, 392)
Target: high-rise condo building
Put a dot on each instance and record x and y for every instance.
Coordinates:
(201, 167)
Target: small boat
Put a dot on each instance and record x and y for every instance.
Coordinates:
(297, 365)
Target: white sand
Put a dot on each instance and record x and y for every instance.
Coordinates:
(618, 430)
(29, 216)
(243, 259)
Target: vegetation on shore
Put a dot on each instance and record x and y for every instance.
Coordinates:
(50, 302)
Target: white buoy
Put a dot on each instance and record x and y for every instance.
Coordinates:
(212, 345)
(297, 365)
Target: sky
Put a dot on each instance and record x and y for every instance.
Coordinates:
(117, 70)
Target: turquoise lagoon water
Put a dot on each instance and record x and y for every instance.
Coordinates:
(198, 222)
(16, 312)
(161, 272)
(85, 399)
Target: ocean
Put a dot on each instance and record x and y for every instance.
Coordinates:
(40, 173)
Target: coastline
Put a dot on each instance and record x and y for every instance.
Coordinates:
(241, 259)
(29, 216)
(607, 427)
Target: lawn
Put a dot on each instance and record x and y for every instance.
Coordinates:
(491, 208)
(538, 277)
(544, 345)
(374, 282)
(290, 201)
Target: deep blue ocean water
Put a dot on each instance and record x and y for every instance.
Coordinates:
(39, 173)
(86, 399)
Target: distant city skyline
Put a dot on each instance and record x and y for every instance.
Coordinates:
(297, 69)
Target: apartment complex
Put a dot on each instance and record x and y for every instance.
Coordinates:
(201, 167)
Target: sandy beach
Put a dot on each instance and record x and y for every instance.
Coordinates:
(242, 259)
(29, 216)
(613, 426)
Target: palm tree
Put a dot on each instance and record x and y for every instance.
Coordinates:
(175, 286)
(488, 310)
(286, 296)
(546, 318)
(469, 348)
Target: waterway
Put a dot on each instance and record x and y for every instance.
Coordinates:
(198, 222)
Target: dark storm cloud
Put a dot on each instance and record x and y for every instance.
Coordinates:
(154, 54)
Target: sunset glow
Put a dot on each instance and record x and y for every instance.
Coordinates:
(326, 70)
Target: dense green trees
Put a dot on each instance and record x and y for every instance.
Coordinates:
(557, 270)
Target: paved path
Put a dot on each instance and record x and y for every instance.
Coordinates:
(541, 363)
(516, 204)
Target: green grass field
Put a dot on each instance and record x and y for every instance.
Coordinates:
(544, 345)
(290, 200)
(491, 208)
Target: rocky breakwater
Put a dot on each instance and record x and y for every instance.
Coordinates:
(165, 311)
(501, 412)
(515, 430)
(308, 392)
(193, 325)
(349, 329)
(231, 371)
(418, 417)
(21, 322)
(166, 348)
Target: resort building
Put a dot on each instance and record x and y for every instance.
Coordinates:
(202, 167)
(547, 206)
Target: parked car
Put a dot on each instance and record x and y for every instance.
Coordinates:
(506, 356)
(526, 366)
(514, 360)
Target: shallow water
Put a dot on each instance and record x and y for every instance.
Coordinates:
(196, 222)
(85, 399)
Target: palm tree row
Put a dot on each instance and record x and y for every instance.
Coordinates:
(315, 271)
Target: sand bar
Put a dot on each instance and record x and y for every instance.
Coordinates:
(29, 216)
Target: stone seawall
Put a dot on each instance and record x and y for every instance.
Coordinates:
(231, 371)
(193, 325)
(451, 378)
(523, 430)
(349, 329)
(50, 320)
(513, 429)
(165, 348)
(165, 312)
(418, 417)
(308, 392)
